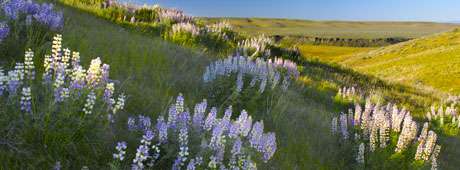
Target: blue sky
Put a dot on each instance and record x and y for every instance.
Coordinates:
(366, 10)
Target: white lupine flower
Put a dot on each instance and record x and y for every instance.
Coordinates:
(29, 67)
(360, 156)
(94, 73)
(120, 104)
(90, 101)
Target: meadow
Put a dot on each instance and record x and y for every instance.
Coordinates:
(291, 105)
(342, 29)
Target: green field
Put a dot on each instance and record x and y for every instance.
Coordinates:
(430, 63)
(330, 53)
(342, 29)
(152, 71)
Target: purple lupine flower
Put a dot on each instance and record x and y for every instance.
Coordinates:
(121, 148)
(268, 145)
(45, 15)
(236, 149)
(105, 70)
(210, 119)
(183, 119)
(172, 117)
(256, 135)
(162, 128)
(177, 163)
(13, 8)
(26, 104)
(198, 115)
(144, 122)
(131, 123)
(141, 155)
(4, 31)
(180, 103)
(147, 137)
(216, 138)
(183, 145)
(108, 94)
(13, 82)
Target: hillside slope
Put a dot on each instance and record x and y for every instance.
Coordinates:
(342, 29)
(431, 62)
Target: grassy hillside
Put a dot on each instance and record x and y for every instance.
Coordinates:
(152, 71)
(330, 53)
(337, 28)
(429, 63)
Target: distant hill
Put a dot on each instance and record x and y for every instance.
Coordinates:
(429, 63)
(341, 29)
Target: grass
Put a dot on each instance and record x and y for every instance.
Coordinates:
(329, 53)
(428, 63)
(152, 71)
(342, 29)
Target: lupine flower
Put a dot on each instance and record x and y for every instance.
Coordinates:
(180, 103)
(105, 70)
(198, 114)
(147, 137)
(26, 104)
(121, 148)
(131, 123)
(256, 135)
(43, 13)
(219, 131)
(4, 31)
(186, 28)
(360, 156)
(268, 146)
(142, 154)
(13, 81)
(94, 74)
(172, 117)
(108, 94)
(90, 101)
(210, 119)
(144, 123)
(267, 72)
(120, 104)
(162, 128)
(183, 145)
(29, 65)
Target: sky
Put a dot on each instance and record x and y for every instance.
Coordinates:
(354, 10)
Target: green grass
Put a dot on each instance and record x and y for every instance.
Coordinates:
(342, 29)
(152, 71)
(329, 53)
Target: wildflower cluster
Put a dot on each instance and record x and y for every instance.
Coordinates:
(255, 46)
(444, 115)
(41, 13)
(65, 77)
(201, 141)
(269, 73)
(173, 15)
(350, 94)
(373, 125)
(186, 27)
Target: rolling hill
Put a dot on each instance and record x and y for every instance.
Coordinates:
(342, 29)
(428, 63)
